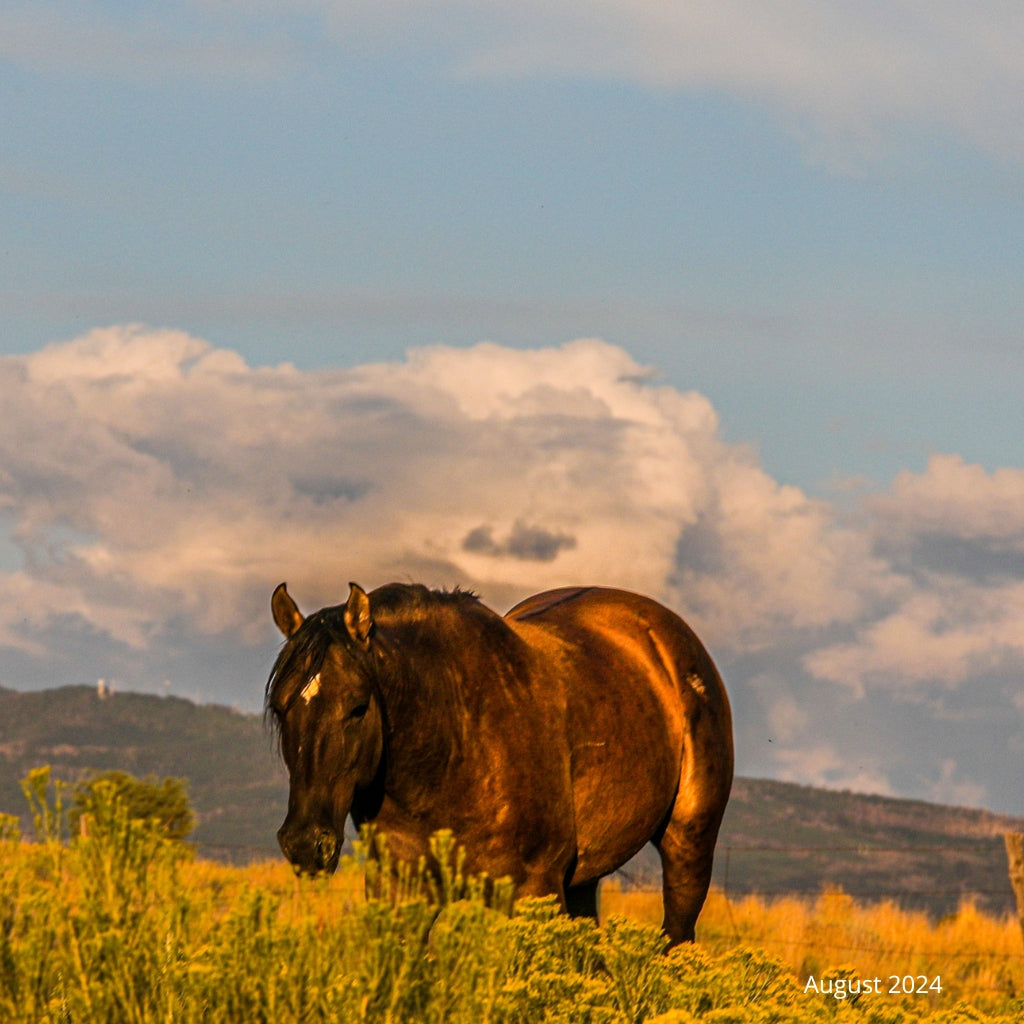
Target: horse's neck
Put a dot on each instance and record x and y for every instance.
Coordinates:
(422, 695)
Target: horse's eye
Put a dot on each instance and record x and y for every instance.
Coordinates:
(359, 711)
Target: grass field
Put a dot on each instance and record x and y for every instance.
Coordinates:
(979, 958)
(123, 926)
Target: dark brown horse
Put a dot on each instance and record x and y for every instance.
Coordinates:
(554, 742)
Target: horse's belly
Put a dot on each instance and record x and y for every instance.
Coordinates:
(621, 797)
(622, 665)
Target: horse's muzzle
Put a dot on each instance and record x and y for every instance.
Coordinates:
(311, 850)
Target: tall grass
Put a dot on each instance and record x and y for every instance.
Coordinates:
(121, 925)
(978, 957)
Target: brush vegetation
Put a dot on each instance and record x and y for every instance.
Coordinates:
(121, 924)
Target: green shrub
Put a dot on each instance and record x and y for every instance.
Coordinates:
(164, 804)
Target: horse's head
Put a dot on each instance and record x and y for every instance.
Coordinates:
(326, 707)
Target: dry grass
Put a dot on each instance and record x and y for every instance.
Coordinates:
(297, 901)
(978, 957)
(121, 926)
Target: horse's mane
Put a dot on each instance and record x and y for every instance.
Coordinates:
(403, 600)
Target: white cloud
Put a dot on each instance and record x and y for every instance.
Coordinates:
(955, 536)
(150, 473)
(824, 765)
(153, 478)
(854, 81)
(850, 77)
(945, 635)
(768, 558)
(157, 489)
(953, 498)
(951, 788)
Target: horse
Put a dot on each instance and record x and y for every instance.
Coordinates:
(554, 742)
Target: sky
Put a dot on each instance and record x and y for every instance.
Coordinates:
(719, 302)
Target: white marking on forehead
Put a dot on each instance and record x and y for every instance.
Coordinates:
(311, 689)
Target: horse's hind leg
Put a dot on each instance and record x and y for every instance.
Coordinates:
(687, 848)
(581, 900)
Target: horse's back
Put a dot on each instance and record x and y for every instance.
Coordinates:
(630, 627)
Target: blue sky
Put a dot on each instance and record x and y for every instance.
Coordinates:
(312, 182)
(808, 214)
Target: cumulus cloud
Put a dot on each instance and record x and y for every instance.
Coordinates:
(171, 477)
(946, 635)
(157, 489)
(954, 534)
(152, 477)
(954, 499)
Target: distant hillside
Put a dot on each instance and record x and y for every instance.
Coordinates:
(236, 782)
(777, 837)
(780, 838)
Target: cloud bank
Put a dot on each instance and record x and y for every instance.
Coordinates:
(156, 489)
(175, 480)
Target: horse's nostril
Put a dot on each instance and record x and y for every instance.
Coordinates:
(311, 849)
(326, 847)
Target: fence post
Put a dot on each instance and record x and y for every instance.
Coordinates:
(1015, 862)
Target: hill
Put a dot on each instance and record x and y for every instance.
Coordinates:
(776, 838)
(781, 838)
(235, 780)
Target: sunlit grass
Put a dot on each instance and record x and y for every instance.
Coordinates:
(977, 956)
(122, 926)
(297, 899)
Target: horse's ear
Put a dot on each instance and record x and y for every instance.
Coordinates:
(286, 612)
(357, 614)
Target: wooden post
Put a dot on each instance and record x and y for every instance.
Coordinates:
(1015, 861)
